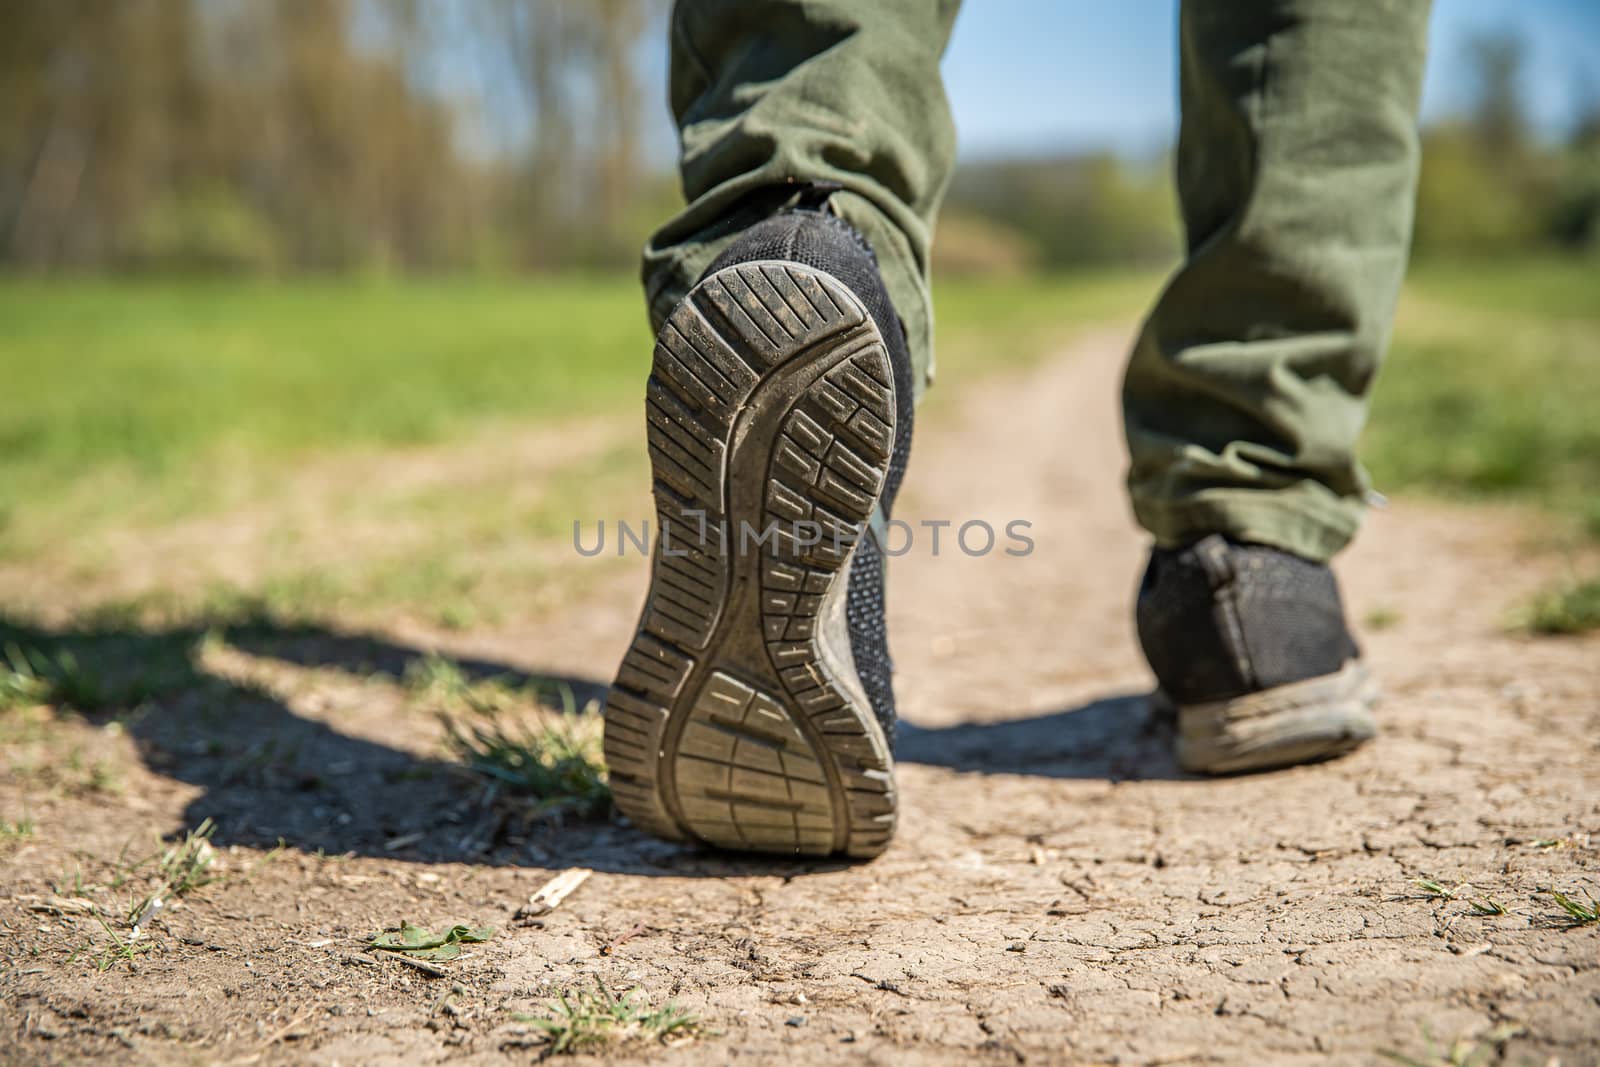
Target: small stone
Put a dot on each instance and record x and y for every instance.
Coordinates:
(795, 1020)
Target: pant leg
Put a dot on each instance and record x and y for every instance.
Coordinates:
(767, 92)
(1297, 167)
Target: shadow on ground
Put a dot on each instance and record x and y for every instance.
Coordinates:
(267, 774)
(1117, 738)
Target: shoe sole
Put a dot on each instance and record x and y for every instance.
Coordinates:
(1303, 722)
(737, 718)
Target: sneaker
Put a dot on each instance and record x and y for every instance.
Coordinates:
(754, 709)
(1251, 651)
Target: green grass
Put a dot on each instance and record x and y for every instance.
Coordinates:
(141, 409)
(1576, 912)
(584, 1020)
(1490, 388)
(1579, 912)
(30, 677)
(1381, 618)
(1489, 393)
(35, 673)
(179, 870)
(1548, 287)
(14, 833)
(21, 685)
(1570, 607)
(1438, 889)
(546, 759)
(160, 398)
(1470, 1051)
(154, 374)
(119, 951)
(983, 324)
(166, 396)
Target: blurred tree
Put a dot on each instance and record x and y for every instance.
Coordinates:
(1074, 211)
(310, 134)
(1498, 117)
(265, 135)
(578, 66)
(1575, 221)
(1489, 185)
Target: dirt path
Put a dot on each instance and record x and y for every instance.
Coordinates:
(1059, 891)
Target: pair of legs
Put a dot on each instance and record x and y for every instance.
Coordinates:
(1296, 169)
(1247, 387)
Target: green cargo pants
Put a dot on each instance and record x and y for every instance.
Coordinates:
(1296, 167)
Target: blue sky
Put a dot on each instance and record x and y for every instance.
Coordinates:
(1046, 76)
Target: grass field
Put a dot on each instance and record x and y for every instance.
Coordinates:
(1491, 388)
(166, 405)
(170, 397)
(156, 381)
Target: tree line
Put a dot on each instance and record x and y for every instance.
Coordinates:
(432, 135)
(1490, 185)
(321, 134)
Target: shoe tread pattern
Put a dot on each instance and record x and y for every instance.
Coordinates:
(783, 755)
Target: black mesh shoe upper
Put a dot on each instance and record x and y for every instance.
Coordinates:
(1219, 619)
(817, 238)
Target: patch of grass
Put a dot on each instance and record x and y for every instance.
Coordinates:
(1550, 287)
(250, 377)
(1553, 842)
(982, 325)
(1379, 619)
(102, 778)
(1570, 607)
(1578, 912)
(586, 1020)
(20, 684)
(14, 833)
(181, 868)
(555, 762)
(549, 757)
(76, 776)
(1463, 1052)
(1488, 394)
(240, 383)
(440, 680)
(1438, 889)
(72, 884)
(1581, 912)
(1489, 390)
(31, 677)
(120, 950)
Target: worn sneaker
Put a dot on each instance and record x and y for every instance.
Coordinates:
(1250, 647)
(754, 709)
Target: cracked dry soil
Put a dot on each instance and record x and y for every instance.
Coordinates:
(1059, 892)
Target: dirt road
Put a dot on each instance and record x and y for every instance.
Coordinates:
(1059, 891)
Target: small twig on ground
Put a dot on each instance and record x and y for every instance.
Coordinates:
(621, 939)
(426, 968)
(282, 1033)
(549, 896)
